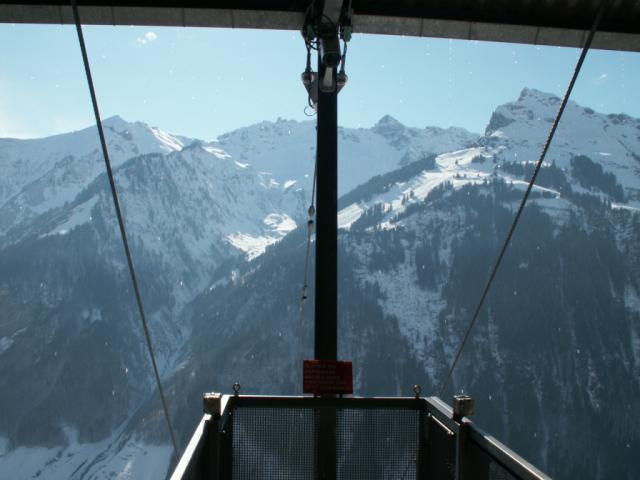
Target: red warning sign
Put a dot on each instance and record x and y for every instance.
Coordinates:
(327, 377)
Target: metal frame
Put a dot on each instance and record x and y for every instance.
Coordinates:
(459, 443)
(201, 456)
(501, 454)
(187, 469)
(554, 22)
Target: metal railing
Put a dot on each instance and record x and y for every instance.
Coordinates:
(260, 437)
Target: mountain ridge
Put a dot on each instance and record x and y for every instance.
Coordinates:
(200, 214)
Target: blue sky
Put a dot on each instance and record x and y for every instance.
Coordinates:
(205, 82)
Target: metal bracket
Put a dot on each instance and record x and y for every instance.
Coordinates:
(463, 406)
(310, 82)
(327, 27)
(211, 404)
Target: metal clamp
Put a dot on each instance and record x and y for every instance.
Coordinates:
(463, 406)
(211, 403)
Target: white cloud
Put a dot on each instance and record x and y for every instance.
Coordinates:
(601, 78)
(146, 38)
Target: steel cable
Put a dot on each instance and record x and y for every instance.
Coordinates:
(310, 225)
(507, 240)
(123, 232)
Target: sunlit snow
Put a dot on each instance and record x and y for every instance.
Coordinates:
(133, 461)
(253, 245)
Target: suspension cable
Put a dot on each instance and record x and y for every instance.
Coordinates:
(507, 240)
(123, 232)
(310, 226)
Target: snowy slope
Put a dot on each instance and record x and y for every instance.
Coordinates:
(70, 162)
(518, 130)
(516, 133)
(206, 200)
(42, 174)
(286, 148)
(132, 460)
(68, 324)
(23, 161)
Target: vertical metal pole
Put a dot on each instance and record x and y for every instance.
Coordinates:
(326, 301)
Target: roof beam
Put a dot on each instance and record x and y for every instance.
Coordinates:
(621, 25)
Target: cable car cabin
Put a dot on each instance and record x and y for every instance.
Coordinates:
(328, 435)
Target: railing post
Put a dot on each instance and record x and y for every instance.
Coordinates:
(210, 466)
(467, 465)
(225, 442)
(462, 406)
(464, 469)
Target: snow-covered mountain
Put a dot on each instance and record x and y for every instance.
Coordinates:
(65, 295)
(556, 346)
(422, 213)
(512, 143)
(189, 206)
(286, 148)
(44, 173)
(520, 128)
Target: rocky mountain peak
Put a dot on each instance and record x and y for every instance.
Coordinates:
(388, 125)
(116, 122)
(531, 94)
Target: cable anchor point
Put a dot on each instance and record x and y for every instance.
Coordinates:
(417, 390)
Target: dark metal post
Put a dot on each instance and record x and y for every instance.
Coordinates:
(468, 465)
(210, 455)
(326, 301)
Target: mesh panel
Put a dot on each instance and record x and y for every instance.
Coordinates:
(377, 444)
(278, 443)
(272, 443)
(372, 443)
